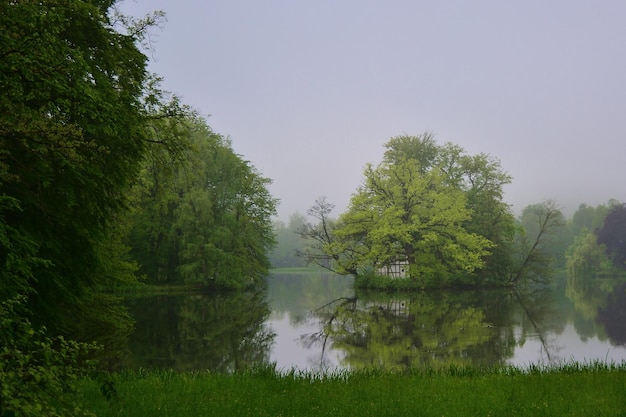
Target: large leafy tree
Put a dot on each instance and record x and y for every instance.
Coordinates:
(403, 213)
(231, 217)
(482, 180)
(434, 206)
(155, 197)
(72, 135)
(203, 216)
(479, 177)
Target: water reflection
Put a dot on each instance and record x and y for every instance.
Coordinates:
(613, 315)
(428, 329)
(318, 322)
(218, 331)
(601, 302)
(299, 340)
(443, 328)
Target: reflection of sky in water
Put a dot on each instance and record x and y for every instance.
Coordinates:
(291, 351)
(565, 347)
(295, 302)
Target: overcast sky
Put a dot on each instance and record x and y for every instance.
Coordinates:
(309, 91)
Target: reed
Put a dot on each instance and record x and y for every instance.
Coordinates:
(567, 390)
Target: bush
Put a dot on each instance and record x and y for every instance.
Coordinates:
(385, 283)
(37, 373)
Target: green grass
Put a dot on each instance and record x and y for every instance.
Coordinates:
(570, 390)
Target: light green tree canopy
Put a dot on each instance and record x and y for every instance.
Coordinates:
(480, 178)
(403, 213)
(433, 206)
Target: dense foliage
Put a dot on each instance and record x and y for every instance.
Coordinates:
(434, 207)
(203, 215)
(81, 122)
(612, 234)
(599, 247)
(37, 373)
(71, 139)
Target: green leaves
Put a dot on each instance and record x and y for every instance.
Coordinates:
(72, 135)
(202, 215)
(37, 373)
(587, 257)
(411, 208)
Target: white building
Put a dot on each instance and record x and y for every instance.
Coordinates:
(397, 269)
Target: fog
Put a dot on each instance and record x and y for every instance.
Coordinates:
(309, 92)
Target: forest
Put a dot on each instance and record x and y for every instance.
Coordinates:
(108, 182)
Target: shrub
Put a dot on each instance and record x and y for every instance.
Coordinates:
(37, 373)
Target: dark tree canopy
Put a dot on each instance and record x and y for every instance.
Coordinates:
(71, 136)
(612, 234)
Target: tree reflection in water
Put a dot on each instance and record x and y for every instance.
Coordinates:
(613, 315)
(440, 328)
(601, 302)
(218, 331)
(385, 331)
(323, 324)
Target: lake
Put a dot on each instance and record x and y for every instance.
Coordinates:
(318, 322)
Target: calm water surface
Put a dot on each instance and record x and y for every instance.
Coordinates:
(318, 322)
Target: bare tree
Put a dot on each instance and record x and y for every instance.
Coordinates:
(323, 248)
(539, 224)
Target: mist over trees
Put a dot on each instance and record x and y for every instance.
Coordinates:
(599, 246)
(289, 243)
(536, 247)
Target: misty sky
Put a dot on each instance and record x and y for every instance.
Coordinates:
(310, 91)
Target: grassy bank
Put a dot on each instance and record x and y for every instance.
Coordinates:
(572, 390)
